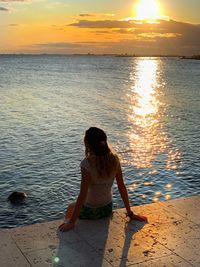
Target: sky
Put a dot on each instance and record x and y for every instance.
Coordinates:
(140, 27)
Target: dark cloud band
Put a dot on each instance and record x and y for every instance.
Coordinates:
(102, 24)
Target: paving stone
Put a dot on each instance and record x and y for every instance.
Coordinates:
(168, 227)
(10, 254)
(181, 237)
(185, 207)
(39, 236)
(72, 255)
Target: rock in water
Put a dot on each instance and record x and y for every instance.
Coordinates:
(17, 197)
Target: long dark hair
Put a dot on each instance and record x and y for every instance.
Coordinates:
(99, 154)
(96, 141)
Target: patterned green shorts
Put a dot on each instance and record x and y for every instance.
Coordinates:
(95, 213)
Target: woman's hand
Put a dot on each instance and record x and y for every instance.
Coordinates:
(64, 227)
(140, 218)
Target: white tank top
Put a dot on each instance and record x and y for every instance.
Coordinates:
(99, 191)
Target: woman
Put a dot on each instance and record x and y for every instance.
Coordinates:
(99, 169)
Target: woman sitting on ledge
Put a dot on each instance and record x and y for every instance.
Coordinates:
(99, 169)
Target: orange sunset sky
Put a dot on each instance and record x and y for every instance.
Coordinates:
(158, 27)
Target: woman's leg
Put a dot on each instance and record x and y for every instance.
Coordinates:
(70, 210)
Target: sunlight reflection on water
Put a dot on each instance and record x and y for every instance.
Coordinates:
(146, 139)
(146, 136)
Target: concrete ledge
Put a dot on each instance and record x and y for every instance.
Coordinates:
(171, 238)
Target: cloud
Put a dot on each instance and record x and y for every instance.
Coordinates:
(161, 26)
(102, 24)
(4, 9)
(160, 37)
(86, 15)
(129, 36)
(157, 45)
(181, 31)
(96, 15)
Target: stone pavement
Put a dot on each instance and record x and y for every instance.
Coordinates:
(171, 238)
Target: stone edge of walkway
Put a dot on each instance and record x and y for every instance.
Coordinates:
(171, 238)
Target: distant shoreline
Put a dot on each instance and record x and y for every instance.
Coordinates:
(195, 57)
(89, 55)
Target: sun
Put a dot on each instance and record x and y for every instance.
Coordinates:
(147, 10)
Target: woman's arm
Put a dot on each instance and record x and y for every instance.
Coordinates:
(80, 201)
(122, 189)
(124, 195)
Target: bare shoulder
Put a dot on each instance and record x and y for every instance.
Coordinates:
(85, 164)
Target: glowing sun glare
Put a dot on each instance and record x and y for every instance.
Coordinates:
(147, 10)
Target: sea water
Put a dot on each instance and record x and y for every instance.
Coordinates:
(149, 108)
